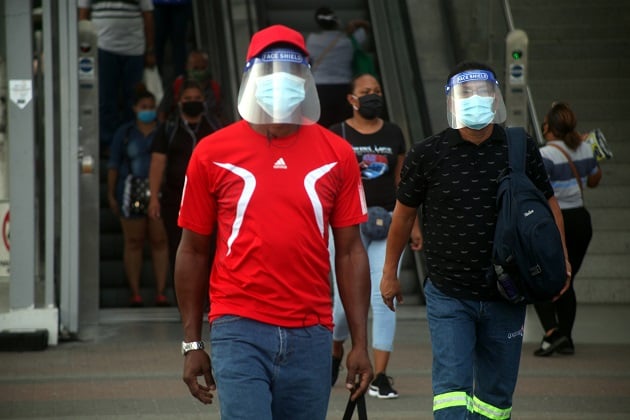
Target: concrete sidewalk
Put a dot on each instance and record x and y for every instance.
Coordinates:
(131, 369)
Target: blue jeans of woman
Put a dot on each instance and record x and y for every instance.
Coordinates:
(266, 372)
(383, 319)
(476, 353)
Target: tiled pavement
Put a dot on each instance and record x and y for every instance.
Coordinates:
(130, 368)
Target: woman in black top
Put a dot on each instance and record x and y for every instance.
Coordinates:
(380, 149)
(172, 148)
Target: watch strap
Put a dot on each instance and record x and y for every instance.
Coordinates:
(190, 346)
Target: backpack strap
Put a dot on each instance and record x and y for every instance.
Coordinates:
(517, 148)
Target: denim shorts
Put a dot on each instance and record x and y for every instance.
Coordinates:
(266, 372)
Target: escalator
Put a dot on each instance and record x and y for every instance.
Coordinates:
(392, 45)
(223, 28)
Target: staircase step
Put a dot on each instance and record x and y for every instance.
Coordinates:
(112, 274)
(608, 196)
(610, 242)
(612, 266)
(598, 289)
(110, 223)
(610, 218)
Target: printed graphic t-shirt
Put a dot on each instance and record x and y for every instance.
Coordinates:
(272, 201)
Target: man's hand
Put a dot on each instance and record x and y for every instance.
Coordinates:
(197, 363)
(416, 242)
(360, 373)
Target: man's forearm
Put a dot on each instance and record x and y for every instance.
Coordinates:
(403, 220)
(353, 282)
(191, 285)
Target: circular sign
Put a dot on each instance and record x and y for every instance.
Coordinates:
(86, 65)
(516, 71)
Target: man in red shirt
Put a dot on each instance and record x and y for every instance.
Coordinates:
(270, 186)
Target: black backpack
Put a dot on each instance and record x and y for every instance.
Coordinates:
(527, 254)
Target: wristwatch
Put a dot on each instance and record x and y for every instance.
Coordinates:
(193, 345)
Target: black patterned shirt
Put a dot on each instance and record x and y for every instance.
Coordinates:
(455, 182)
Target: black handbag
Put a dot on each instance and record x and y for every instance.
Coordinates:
(360, 404)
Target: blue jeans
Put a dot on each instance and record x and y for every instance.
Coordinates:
(383, 319)
(265, 372)
(118, 76)
(476, 353)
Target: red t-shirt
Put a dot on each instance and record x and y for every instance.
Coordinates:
(272, 202)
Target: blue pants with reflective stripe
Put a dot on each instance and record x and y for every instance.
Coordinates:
(476, 353)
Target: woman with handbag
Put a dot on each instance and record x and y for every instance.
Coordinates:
(380, 150)
(128, 196)
(571, 165)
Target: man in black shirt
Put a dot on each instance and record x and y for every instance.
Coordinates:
(476, 335)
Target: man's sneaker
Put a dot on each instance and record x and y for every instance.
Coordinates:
(381, 387)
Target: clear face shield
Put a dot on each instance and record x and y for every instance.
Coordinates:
(474, 100)
(278, 88)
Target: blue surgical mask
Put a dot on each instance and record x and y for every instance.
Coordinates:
(475, 112)
(147, 115)
(279, 94)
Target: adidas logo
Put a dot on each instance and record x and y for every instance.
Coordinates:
(280, 164)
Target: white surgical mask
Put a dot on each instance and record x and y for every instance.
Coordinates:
(279, 94)
(475, 112)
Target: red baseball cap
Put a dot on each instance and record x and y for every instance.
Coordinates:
(272, 35)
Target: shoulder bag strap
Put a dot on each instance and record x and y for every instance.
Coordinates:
(326, 51)
(576, 174)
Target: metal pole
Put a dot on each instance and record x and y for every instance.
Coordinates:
(49, 153)
(68, 100)
(21, 137)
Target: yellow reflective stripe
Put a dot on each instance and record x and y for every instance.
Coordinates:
(490, 411)
(452, 399)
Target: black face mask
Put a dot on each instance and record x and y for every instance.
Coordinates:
(370, 106)
(192, 108)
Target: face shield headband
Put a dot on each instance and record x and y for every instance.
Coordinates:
(474, 100)
(278, 88)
